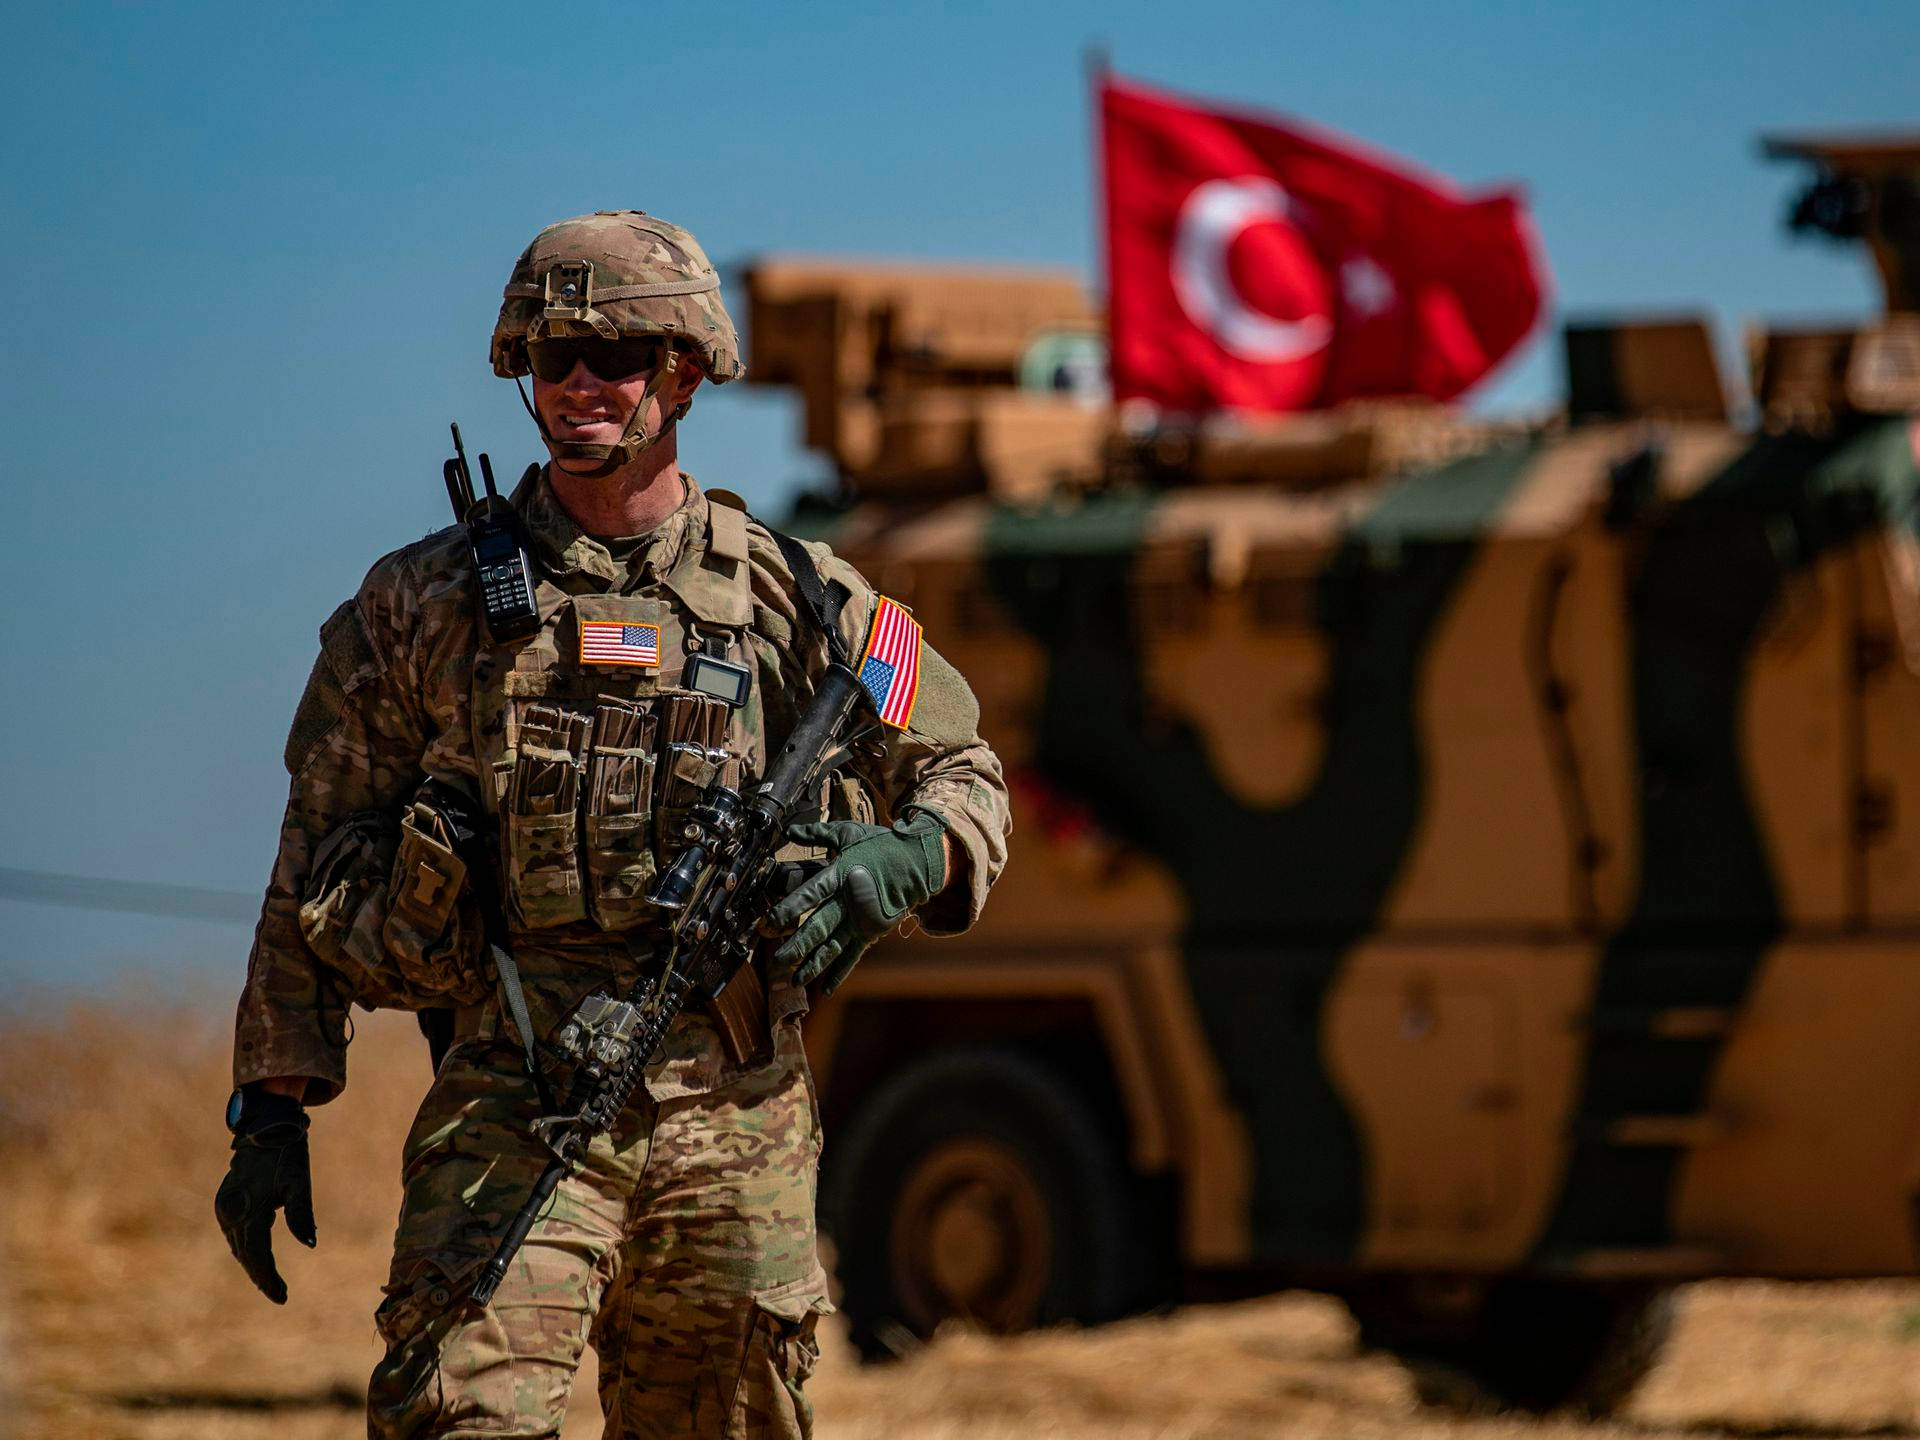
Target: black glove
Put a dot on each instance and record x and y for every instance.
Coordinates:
(269, 1172)
(878, 873)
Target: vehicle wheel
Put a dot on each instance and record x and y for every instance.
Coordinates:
(1528, 1344)
(979, 1184)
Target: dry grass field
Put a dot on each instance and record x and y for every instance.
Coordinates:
(122, 1316)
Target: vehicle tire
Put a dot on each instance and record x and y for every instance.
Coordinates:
(1529, 1344)
(979, 1184)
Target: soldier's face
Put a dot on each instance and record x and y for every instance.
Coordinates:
(587, 410)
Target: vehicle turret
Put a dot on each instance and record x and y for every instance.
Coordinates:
(1865, 189)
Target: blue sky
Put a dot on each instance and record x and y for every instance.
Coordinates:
(256, 252)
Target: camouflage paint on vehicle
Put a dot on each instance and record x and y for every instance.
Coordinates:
(1274, 896)
(1708, 906)
(1454, 858)
(1617, 933)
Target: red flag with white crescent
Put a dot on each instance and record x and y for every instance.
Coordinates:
(1255, 264)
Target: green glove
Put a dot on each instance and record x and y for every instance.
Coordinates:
(878, 873)
(269, 1172)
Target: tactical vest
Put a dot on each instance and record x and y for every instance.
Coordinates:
(589, 755)
(587, 760)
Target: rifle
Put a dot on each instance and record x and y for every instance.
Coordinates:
(718, 888)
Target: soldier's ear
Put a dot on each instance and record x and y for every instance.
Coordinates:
(687, 375)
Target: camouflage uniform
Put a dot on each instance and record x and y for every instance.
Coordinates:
(684, 1248)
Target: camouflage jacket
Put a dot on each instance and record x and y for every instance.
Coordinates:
(571, 757)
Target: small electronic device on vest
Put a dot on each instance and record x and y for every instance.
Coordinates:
(502, 570)
(710, 673)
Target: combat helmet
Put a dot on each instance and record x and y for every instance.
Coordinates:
(616, 274)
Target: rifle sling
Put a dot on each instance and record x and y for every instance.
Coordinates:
(507, 970)
(823, 601)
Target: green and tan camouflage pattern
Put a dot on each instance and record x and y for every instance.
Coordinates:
(682, 1249)
(406, 687)
(625, 248)
(1511, 865)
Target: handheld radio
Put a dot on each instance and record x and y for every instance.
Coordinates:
(502, 570)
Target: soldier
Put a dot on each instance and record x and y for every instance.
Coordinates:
(683, 1248)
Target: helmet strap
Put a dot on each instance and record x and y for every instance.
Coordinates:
(533, 414)
(634, 440)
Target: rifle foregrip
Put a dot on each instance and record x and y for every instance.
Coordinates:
(819, 724)
(495, 1269)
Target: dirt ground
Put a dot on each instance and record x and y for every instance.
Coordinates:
(121, 1314)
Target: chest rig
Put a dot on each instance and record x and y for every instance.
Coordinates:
(591, 748)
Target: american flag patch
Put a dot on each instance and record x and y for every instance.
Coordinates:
(891, 669)
(608, 642)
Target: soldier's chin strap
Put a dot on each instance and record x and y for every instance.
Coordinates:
(634, 440)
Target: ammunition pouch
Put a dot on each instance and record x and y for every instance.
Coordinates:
(433, 929)
(619, 816)
(540, 819)
(344, 909)
(573, 856)
(388, 908)
(693, 735)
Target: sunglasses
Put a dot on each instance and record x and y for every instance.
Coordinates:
(553, 360)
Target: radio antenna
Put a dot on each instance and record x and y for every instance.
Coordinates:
(459, 478)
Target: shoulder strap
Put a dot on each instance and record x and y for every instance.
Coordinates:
(726, 531)
(823, 601)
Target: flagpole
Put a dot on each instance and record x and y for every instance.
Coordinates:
(1096, 61)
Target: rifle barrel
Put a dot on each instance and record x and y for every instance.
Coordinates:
(495, 1269)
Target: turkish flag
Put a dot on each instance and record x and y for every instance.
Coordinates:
(1256, 265)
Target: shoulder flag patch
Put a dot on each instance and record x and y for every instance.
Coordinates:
(609, 642)
(891, 669)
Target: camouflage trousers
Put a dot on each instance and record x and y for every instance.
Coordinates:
(682, 1250)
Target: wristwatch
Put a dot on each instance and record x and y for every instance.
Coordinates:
(251, 1108)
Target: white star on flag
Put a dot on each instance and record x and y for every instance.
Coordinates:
(1367, 289)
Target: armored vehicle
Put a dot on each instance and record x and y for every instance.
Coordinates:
(1470, 868)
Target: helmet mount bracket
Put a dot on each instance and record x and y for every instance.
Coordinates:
(568, 292)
